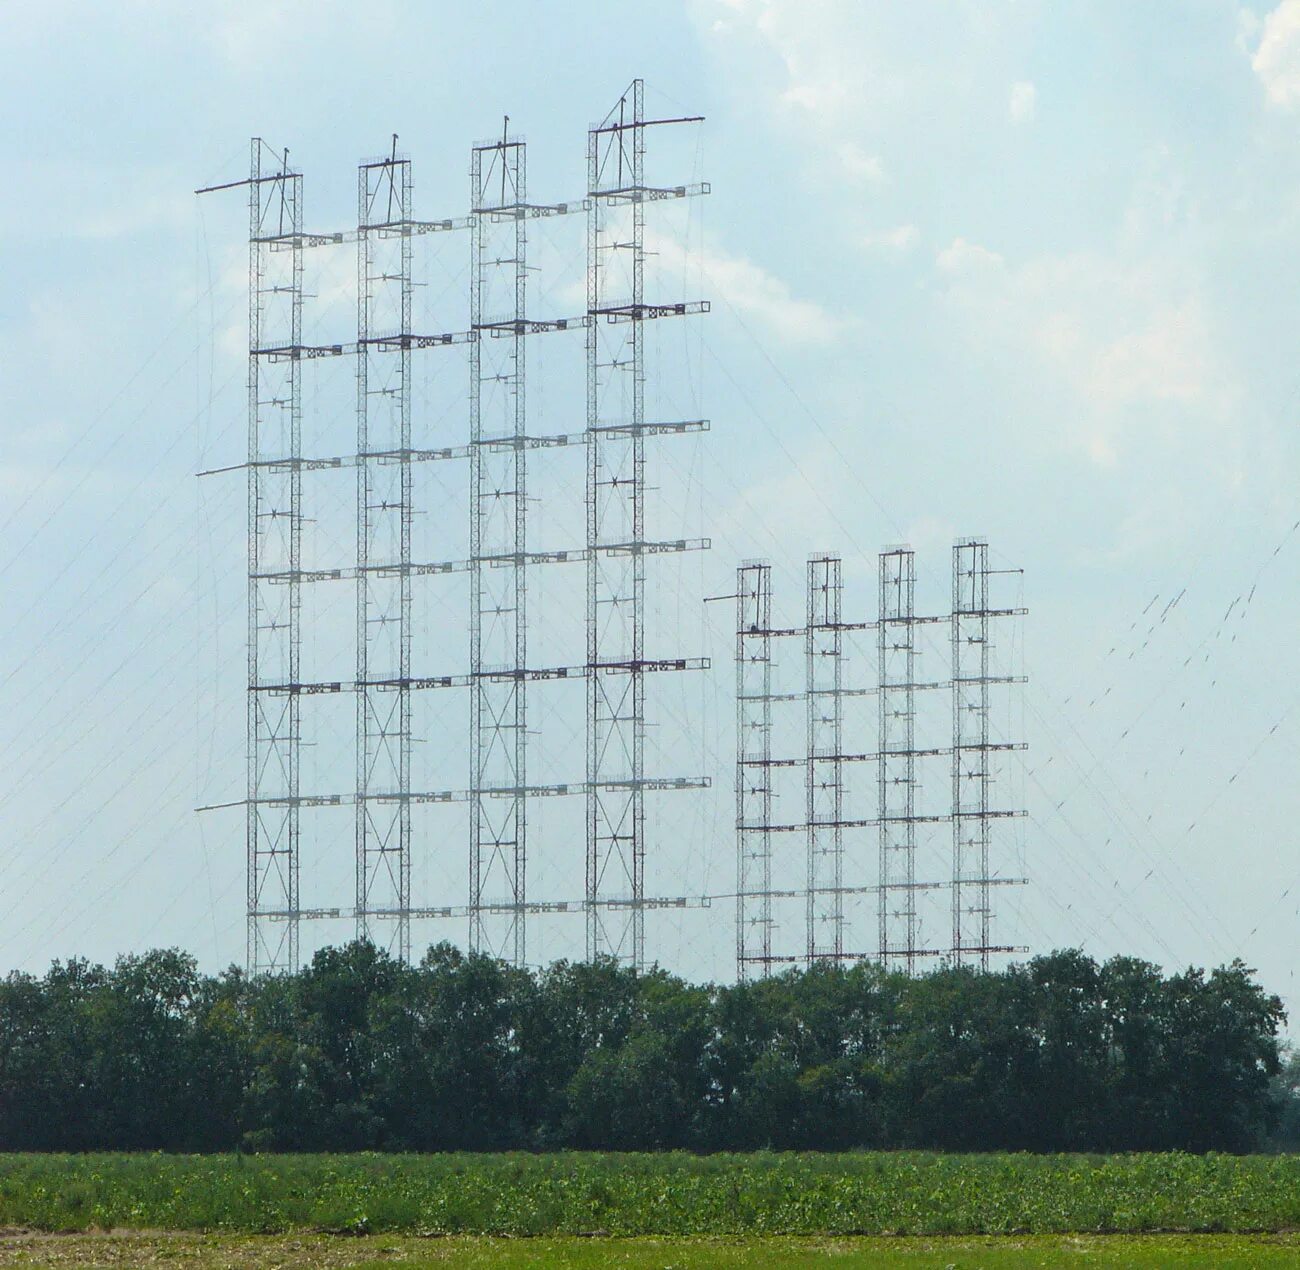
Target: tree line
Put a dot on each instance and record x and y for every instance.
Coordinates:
(461, 1052)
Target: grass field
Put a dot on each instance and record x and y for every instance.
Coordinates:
(659, 1195)
(233, 1252)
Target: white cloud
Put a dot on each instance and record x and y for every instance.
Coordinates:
(1277, 59)
(962, 257)
(249, 36)
(1129, 340)
(148, 211)
(1164, 359)
(900, 239)
(749, 289)
(858, 164)
(831, 52)
(930, 534)
(1023, 102)
(810, 497)
(852, 69)
(1248, 28)
(1163, 519)
(129, 199)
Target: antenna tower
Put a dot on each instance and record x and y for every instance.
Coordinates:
(383, 575)
(754, 765)
(896, 766)
(498, 536)
(901, 938)
(498, 528)
(824, 769)
(274, 557)
(616, 546)
(757, 896)
(973, 750)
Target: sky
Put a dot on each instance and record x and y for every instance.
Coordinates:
(1016, 269)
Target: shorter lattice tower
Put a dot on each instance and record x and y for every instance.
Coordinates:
(899, 777)
(974, 747)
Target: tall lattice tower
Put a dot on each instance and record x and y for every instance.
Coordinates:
(500, 558)
(498, 539)
(616, 547)
(383, 569)
(275, 521)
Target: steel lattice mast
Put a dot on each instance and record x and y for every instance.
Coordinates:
(970, 735)
(383, 574)
(902, 942)
(615, 513)
(754, 764)
(973, 749)
(616, 546)
(762, 899)
(274, 547)
(498, 541)
(896, 765)
(824, 770)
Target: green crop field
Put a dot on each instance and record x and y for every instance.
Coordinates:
(653, 1195)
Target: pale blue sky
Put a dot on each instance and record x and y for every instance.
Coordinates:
(1029, 268)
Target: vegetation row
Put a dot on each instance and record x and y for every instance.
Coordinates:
(461, 1053)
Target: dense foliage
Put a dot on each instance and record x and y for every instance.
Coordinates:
(667, 1194)
(358, 1051)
